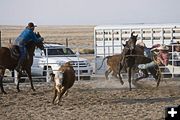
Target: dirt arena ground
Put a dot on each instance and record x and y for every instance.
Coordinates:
(95, 99)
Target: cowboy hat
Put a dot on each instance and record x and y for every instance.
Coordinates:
(163, 47)
(31, 25)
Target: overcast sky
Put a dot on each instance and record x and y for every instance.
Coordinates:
(88, 12)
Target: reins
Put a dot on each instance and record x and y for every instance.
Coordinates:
(158, 70)
(134, 56)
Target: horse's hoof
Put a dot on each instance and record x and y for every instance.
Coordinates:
(134, 82)
(121, 82)
(18, 90)
(4, 92)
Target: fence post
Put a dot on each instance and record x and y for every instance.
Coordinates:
(10, 41)
(47, 69)
(77, 53)
(67, 42)
(15, 77)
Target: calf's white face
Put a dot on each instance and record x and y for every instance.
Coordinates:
(58, 78)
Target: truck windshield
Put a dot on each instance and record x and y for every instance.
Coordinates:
(60, 51)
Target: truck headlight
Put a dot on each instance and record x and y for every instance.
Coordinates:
(87, 63)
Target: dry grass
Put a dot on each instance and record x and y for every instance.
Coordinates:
(78, 36)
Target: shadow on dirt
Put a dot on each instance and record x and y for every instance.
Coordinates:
(147, 100)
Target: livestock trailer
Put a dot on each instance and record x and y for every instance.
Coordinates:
(108, 39)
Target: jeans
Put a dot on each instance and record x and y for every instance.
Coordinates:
(147, 65)
(23, 50)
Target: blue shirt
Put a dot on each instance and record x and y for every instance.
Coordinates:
(28, 35)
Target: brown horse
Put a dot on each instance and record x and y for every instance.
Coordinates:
(133, 56)
(128, 60)
(8, 61)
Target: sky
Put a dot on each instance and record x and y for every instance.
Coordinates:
(88, 12)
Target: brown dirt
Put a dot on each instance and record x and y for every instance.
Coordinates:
(91, 100)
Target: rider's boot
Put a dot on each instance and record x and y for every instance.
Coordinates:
(19, 66)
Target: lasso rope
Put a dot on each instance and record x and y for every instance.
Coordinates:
(158, 70)
(134, 56)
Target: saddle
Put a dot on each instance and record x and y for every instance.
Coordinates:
(14, 51)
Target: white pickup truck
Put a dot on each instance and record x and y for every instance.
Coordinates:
(54, 56)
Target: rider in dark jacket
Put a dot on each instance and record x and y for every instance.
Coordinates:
(21, 41)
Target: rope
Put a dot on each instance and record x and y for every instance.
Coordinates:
(158, 70)
(134, 55)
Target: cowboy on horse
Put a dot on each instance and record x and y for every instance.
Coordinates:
(21, 41)
(160, 56)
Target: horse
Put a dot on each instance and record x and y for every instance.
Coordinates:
(133, 56)
(128, 61)
(9, 61)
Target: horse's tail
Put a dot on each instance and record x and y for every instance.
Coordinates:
(103, 62)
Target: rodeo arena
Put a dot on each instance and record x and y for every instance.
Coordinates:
(118, 82)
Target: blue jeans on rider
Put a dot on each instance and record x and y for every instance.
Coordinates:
(146, 66)
(23, 51)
